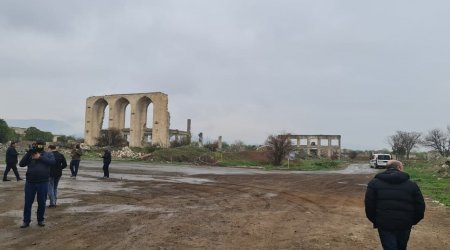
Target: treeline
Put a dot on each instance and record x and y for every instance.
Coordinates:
(6, 133)
(438, 140)
(31, 134)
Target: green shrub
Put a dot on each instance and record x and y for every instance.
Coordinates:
(186, 154)
(326, 163)
(431, 184)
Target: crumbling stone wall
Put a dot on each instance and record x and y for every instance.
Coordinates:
(139, 103)
(318, 145)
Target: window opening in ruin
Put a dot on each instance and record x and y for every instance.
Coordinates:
(335, 142)
(105, 122)
(150, 115)
(324, 142)
(127, 116)
(127, 122)
(303, 142)
(149, 122)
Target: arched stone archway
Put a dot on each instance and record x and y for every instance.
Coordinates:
(139, 103)
(139, 123)
(119, 107)
(94, 124)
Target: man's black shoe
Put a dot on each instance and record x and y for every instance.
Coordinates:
(6, 180)
(41, 224)
(25, 225)
(51, 205)
(19, 179)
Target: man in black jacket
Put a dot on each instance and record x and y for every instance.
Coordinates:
(106, 161)
(38, 172)
(394, 204)
(55, 175)
(11, 162)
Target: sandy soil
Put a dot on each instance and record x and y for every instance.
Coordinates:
(181, 207)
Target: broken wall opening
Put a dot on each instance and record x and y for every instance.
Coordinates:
(105, 120)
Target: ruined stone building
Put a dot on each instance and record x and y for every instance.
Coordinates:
(139, 133)
(20, 132)
(318, 145)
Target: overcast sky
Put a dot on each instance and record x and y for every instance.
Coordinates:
(243, 69)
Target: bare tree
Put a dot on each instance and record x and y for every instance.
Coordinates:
(352, 154)
(111, 137)
(438, 140)
(237, 146)
(403, 142)
(280, 146)
(397, 149)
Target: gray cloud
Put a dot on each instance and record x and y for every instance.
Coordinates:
(240, 69)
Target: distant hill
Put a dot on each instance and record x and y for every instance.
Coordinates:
(54, 126)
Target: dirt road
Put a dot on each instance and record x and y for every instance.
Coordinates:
(181, 207)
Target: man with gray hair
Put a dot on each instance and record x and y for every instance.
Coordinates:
(394, 204)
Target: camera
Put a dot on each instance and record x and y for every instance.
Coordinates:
(37, 147)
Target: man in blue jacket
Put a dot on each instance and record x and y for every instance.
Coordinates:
(38, 162)
(394, 204)
(55, 175)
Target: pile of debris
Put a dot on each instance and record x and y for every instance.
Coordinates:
(444, 170)
(126, 153)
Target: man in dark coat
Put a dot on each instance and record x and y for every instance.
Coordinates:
(394, 204)
(76, 154)
(55, 175)
(106, 161)
(11, 162)
(38, 172)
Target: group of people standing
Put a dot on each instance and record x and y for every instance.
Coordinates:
(44, 171)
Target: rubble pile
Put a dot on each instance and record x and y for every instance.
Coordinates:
(126, 152)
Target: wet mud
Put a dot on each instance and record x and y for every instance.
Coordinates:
(188, 207)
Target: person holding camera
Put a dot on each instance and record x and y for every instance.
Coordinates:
(38, 172)
(11, 162)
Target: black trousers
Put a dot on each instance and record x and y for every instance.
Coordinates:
(394, 240)
(106, 170)
(8, 168)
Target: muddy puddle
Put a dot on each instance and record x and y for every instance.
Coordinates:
(205, 170)
(113, 208)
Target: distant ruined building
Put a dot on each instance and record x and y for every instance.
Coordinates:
(318, 145)
(139, 134)
(20, 132)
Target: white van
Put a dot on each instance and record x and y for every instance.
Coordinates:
(379, 160)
